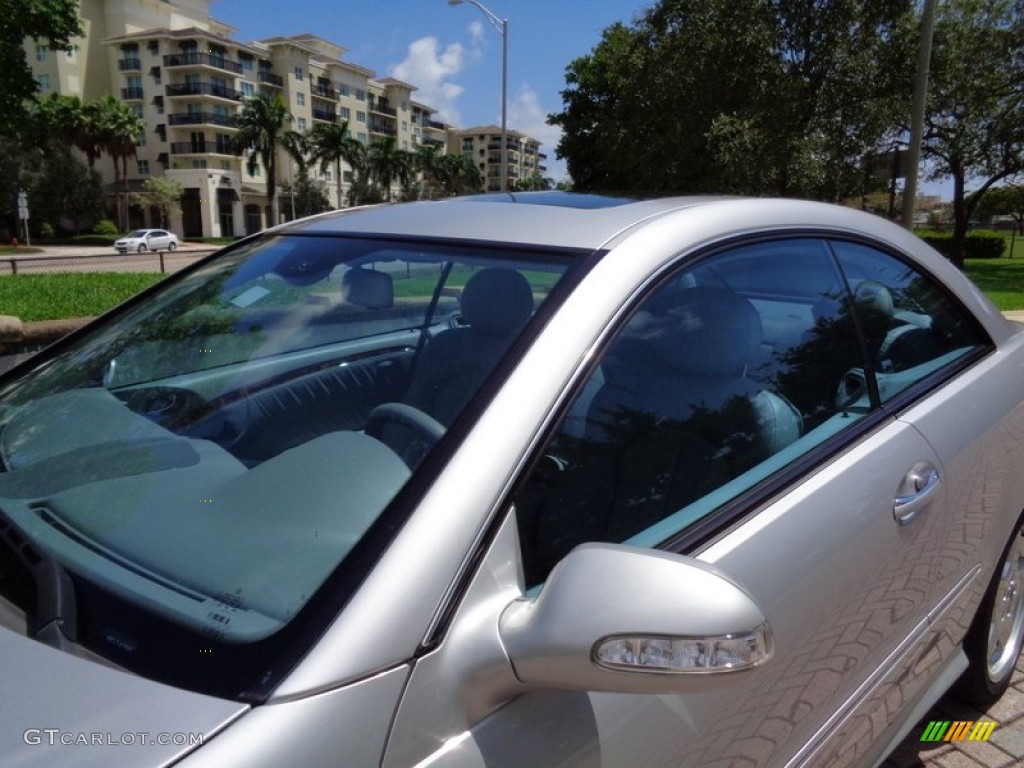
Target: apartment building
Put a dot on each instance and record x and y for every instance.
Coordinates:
(185, 75)
(482, 145)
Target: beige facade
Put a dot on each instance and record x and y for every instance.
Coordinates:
(482, 145)
(187, 77)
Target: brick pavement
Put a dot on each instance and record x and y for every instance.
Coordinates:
(1004, 749)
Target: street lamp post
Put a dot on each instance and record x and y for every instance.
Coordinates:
(502, 26)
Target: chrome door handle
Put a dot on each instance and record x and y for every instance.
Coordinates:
(917, 491)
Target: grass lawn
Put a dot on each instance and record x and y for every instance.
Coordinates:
(1002, 280)
(80, 294)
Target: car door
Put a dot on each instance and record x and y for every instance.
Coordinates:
(734, 416)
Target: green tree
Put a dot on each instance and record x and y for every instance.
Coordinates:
(54, 23)
(535, 182)
(65, 193)
(121, 130)
(457, 175)
(776, 97)
(1007, 200)
(974, 122)
(331, 144)
(163, 194)
(310, 196)
(261, 125)
(388, 164)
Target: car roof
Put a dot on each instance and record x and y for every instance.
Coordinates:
(554, 219)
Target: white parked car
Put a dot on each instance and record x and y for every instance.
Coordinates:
(142, 240)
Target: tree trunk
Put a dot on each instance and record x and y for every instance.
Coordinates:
(956, 246)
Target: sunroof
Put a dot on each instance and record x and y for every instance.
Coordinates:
(555, 198)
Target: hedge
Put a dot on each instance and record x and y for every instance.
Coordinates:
(980, 244)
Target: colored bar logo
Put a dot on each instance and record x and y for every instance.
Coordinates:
(958, 730)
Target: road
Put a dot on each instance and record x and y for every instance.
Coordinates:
(101, 259)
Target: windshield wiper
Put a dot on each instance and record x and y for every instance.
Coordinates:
(52, 616)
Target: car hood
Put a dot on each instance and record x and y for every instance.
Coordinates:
(61, 710)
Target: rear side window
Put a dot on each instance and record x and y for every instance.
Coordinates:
(911, 328)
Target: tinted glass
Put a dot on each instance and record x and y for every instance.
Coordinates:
(202, 462)
(725, 374)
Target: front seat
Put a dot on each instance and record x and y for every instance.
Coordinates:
(496, 304)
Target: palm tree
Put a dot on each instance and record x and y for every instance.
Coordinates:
(261, 126)
(121, 130)
(388, 164)
(333, 143)
(425, 159)
(457, 175)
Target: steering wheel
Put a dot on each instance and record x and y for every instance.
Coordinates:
(853, 386)
(412, 448)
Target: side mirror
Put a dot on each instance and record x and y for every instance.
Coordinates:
(629, 620)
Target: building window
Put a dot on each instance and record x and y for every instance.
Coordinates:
(342, 89)
(360, 117)
(142, 140)
(139, 109)
(44, 83)
(299, 73)
(248, 90)
(197, 164)
(405, 126)
(225, 165)
(300, 99)
(405, 105)
(255, 171)
(327, 175)
(302, 123)
(405, 145)
(246, 63)
(346, 113)
(143, 167)
(41, 53)
(361, 137)
(360, 94)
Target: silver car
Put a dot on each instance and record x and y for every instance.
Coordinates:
(517, 480)
(142, 240)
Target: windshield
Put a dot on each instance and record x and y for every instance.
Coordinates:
(203, 461)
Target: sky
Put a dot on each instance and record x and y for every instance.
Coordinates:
(452, 54)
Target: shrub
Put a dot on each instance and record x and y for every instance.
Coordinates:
(980, 244)
(105, 227)
(46, 231)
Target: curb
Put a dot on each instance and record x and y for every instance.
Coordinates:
(15, 333)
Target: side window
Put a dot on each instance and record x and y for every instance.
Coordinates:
(727, 372)
(910, 327)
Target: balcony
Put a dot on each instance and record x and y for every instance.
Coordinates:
(201, 118)
(382, 128)
(201, 148)
(203, 89)
(196, 59)
(436, 124)
(383, 109)
(323, 91)
(132, 94)
(270, 78)
(129, 65)
(325, 115)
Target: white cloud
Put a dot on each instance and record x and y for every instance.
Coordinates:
(430, 68)
(476, 33)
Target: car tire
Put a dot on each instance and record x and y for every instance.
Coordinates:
(995, 639)
(142, 248)
(172, 246)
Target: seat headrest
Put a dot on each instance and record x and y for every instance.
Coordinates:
(496, 301)
(706, 331)
(874, 296)
(368, 288)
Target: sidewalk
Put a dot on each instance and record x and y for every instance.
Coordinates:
(1004, 749)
